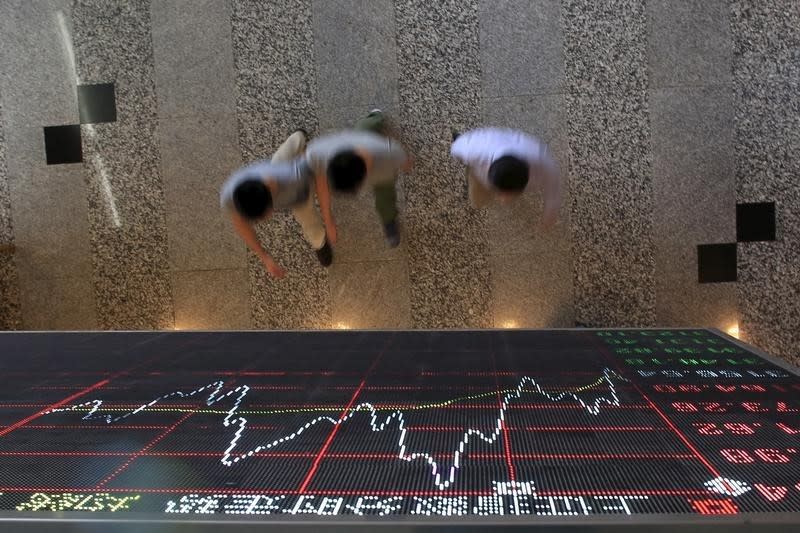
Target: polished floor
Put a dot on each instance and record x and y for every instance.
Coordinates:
(676, 122)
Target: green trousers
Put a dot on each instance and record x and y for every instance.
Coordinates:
(385, 195)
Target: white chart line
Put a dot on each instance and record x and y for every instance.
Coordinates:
(229, 458)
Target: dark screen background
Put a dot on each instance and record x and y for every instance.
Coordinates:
(402, 422)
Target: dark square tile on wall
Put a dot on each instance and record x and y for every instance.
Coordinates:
(755, 222)
(716, 263)
(62, 144)
(97, 103)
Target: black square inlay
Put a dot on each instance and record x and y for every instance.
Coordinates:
(755, 222)
(716, 263)
(96, 103)
(62, 144)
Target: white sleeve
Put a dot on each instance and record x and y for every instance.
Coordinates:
(314, 160)
(462, 147)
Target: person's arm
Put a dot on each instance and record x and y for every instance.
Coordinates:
(248, 235)
(402, 157)
(408, 166)
(460, 150)
(324, 196)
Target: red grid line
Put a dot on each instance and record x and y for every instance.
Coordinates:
(283, 373)
(108, 405)
(516, 406)
(318, 458)
(56, 405)
(72, 387)
(334, 407)
(80, 393)
(602, 456)
(670, 427)
(36, 405)
(512, 475)
(507, 449)
(332, 373)
(681, 436)
(484, 373)
(63, 373)
(678, 433)
(360, 456)
(624, 429)
(89, 426)
(335, 429)
(623, 492)
(149, 445)
(363, 492)
(389, 388)
(122, 426)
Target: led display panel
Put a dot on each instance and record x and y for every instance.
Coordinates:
(391, 425)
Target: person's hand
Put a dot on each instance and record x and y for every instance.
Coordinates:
(409, 166)
(273, 268)
(332, 233)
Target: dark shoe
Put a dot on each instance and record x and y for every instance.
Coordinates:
(392, 234)
(325, 255)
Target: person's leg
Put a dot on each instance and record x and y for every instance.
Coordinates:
(479, 195)
(386, 202)
(375, 122)
(305, 213)
(291, 147)
(310, 221)
(386, 206)
(385, 195)
(313, 230)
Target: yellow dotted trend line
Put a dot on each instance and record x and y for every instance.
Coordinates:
(328, 409)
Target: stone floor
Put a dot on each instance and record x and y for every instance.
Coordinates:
(667, 116)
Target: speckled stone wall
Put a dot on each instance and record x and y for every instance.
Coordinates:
(766, 72)
(356, 71)
(440, 91)
(112, 43)
(48, 202)
(276, 95)
(198, 139)
(523, 87)
(690, 92)
(610, 170)
(10, 311)
(663, 114)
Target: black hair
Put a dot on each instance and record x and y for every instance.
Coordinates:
(346, 171)
(509, 174)
(252, 198)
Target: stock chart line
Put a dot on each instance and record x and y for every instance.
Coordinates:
(396, 418)
(84, 407)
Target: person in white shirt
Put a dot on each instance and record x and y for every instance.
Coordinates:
(502, 162)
